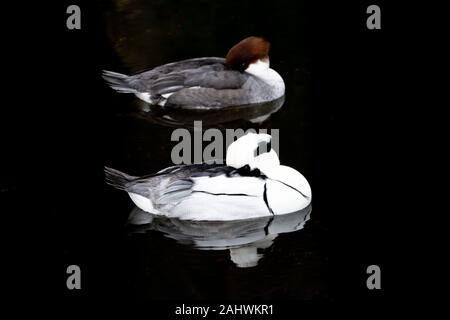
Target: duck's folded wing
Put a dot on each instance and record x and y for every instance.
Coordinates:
(205, 77)
(173, 184)
(182, 65)
(181, 183)
(175, 192)
(143, 82)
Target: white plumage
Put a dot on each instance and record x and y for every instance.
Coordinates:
(250, 185)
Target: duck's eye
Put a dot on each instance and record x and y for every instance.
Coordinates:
(263, 147)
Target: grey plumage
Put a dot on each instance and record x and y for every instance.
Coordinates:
(175, 192)
(118, 179)
(215, 85)
(158, 80)
(118, 81)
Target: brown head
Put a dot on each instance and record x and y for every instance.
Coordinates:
(247, 51)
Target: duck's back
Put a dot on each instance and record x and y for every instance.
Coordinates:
(144, 79)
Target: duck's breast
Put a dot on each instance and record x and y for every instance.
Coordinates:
(283, 198)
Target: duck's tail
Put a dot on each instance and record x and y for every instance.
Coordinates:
(117, 179)
(118, 81)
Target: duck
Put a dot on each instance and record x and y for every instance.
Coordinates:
(243, 77)
(251, 183)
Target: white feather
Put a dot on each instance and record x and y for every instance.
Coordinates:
(222, 184)
(145, 96)
(142, 202)
(242, 151)
(202, 206)
(167, 95)
(287, 190)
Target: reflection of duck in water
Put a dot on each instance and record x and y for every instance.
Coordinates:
(243, 77)
(251, 184)
(244, 238)
(234, 116)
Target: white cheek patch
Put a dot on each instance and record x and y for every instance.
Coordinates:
(261, 70)
(258, 68)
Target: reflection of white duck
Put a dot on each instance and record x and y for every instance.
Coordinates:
(246, 239)
(251, 184)
(248, 256)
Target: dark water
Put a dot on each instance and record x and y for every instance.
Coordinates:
(64, 125)
(160, 260)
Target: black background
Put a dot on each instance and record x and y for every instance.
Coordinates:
(52, 124)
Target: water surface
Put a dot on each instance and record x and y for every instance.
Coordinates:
(169, 259)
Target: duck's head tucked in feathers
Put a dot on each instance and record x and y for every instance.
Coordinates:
(253, 150)
(251, 184)
(249, 51)
(244, 77)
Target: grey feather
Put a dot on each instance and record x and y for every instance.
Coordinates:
(118, 81)
(201, 72)
(180, 66)
(175, 192)
(118, 179)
